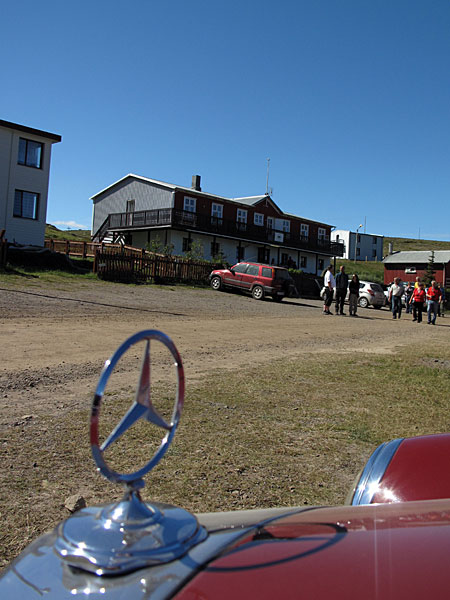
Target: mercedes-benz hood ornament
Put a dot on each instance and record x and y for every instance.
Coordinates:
(130, 534)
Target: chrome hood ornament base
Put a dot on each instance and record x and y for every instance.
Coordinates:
(130, 534)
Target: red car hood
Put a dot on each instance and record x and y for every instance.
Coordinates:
(377, 551)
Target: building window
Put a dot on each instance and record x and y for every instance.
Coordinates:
(240, 253)
(304, 230)
(215, 249)
(321, 233)
(216, 213)
(320, 264)
(269, 222)
(374, 240)
(30, 153)
(189, 204)
(358, 238)
(241, 218)
(187, 244)
(131, 205)
(286, 225)
(284, 259)
(303, 262)
(258, 219)
(26, 204)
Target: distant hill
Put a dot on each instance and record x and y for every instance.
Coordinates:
(52, 232)
(402, 244)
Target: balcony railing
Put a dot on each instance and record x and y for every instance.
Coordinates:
(214, 225)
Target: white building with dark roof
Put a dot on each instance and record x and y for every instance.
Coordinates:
(25, 155)
(141, 211)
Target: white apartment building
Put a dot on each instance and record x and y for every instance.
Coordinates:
(24, 174)
(359, 246)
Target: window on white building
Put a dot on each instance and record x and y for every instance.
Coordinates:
(30, 153)
(26, 204)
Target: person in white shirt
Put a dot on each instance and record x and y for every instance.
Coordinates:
(329, 284)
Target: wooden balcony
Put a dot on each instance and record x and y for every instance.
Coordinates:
(188, 221)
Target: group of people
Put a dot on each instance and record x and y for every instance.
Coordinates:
(340, 283)
(415, 298)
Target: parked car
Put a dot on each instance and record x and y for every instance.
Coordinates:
(257, 279)
(390, 541)
(370, 294)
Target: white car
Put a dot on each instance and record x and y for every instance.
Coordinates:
(370, 294)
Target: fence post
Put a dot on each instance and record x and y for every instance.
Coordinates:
(84, 249)
(67, 247)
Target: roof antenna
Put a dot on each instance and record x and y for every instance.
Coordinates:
(267, 179)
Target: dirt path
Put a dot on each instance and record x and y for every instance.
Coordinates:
(54, 341)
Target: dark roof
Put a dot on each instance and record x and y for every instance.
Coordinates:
(51, 136)
(244, 201)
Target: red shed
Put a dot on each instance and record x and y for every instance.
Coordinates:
(409, 265)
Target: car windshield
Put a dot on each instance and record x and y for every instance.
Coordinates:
(376, 287)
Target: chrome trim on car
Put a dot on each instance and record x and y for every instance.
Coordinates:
(373, 472)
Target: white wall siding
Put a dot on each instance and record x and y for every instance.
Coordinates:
(147, 196)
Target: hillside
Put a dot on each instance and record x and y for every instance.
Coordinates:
(402, 244)
(52, 232)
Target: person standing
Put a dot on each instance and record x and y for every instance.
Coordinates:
(341, 290)
(433, 300)
(417, 300)
(353, 287)
(395, 296)
(329, 285)
(408, 293)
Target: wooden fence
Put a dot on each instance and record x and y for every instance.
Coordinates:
(73, 248)
(126, 267)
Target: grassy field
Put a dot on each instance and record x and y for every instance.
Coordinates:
(402, 244)
(296, 433)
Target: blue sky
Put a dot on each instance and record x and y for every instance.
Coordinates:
(350, 100)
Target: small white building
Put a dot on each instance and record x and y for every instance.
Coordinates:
(24, 173)
(359, 246)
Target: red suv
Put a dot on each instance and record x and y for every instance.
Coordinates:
(259, 280)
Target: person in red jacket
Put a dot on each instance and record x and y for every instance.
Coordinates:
(417, 300)
(433, 299)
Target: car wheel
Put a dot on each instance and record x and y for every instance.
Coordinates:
(258, 292)
(363, 302)
(216, 283)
